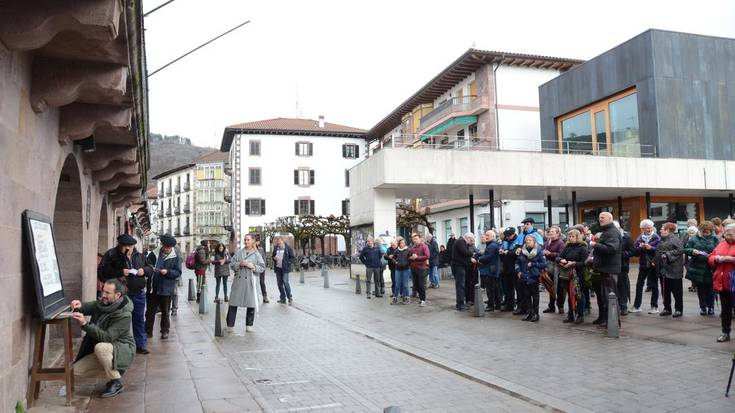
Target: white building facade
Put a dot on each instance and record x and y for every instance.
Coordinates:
(289, 167)
(175, 204)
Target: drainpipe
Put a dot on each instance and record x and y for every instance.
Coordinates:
(495, 90)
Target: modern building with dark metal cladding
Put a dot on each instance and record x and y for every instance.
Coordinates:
(660, 94)
(671, 92)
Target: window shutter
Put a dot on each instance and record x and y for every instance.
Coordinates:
(357, 151)
(344, 151)
(296, 145)
(262, 207)
(311, 207)
(347, 177)
(343, 208)
(311, 177)
(296, 207)
(311, 149)
(247, 207)
(295, 176)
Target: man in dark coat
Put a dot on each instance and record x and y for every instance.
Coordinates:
(165, 273)
(108, 345)
(607, 261)
(508, 257)
(433, 261)
(461, 261)
(370, 258)
(283, 257)
(450, 246)
(115, 262)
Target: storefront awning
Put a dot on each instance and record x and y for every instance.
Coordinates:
(458, 121)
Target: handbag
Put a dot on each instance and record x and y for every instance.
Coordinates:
(565, 274)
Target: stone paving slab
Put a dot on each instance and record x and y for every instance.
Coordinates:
(556, 362)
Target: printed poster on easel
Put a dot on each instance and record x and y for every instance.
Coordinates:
(44, 264)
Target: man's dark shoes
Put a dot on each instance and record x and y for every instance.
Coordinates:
(602, 325)
(597, 321)
(579, 320)
(534, 317)
(568, 320)
(723, 337)
(114, 387)
(506, 308)
(164, 336)
(677, 314)
(282, 301)
(141, 350)
(549, 310)
(624, 311)
(665, 313)
(528, 317)
(519, 312)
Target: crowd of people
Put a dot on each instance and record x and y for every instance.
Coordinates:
(134, 286)
(571, 268)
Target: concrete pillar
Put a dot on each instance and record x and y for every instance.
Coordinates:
(548, 211)
(573, 220)
(648, 205)
(472, 214)
(620, 208)
(384, 212)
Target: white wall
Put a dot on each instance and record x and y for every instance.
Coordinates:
(277, 161)
(519, 85)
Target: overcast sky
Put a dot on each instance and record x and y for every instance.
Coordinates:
(354, 62)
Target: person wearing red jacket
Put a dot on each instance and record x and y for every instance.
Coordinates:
(419, 263)
(722, 259)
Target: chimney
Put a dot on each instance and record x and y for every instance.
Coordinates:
(321, 121)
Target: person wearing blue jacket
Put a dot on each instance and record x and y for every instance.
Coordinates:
(531, 262)
(370, 258)
(528, 229)
(165, 274)
(490, 270)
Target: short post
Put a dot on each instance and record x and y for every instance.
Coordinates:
(203, 301)
(325, 274)
(301, 275)
(613, 316)
(218, 319)
(479, 307)
(358, 288)
(192, 290)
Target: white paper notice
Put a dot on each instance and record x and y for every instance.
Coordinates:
(48, 267)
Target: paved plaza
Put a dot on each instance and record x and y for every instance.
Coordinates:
(334, 351)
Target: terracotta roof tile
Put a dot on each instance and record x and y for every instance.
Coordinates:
(214, 156)
(292, 124)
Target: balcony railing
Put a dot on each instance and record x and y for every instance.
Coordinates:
(228, 228)
(167, 192)
(168, 211)
(566, 147)
(177, 188)
(177, 232)
(186, 208)
(228, 197)
(186, 186)
(466, 105)
(186, 231)
(228, 168)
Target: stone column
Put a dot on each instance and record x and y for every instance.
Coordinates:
(384, 212)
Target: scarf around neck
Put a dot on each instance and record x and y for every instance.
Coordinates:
(529, 254)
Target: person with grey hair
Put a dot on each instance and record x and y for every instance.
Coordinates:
(489, 262)
(471, 276)
(607, 261)
(433, 261)
(370, 258)
(644, 247)
(626, 252)
(722, 259)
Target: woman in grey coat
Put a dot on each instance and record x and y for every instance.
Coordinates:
(246, 264)
(669, 259)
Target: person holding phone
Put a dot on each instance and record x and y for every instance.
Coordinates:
(165, 273)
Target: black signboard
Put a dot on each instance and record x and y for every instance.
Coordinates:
(44, 264)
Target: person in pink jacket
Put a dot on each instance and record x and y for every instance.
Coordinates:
(419, 263)
(722, 259)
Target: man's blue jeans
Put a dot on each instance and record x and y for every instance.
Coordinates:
(284, 288)
(402, 277)
(459, 273)
(141, 340)
(434, 275)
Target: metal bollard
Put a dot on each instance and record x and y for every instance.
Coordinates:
(358, 288)
(192, 290)
(613, 316)
(203, 301)
(301, 276)
(218, 319)
(325, 274)
(479, 307)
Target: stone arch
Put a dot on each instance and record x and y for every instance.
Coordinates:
(69, 229)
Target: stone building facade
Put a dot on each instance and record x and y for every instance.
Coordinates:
(73, 147)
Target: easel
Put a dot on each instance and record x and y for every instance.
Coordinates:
(64, 373)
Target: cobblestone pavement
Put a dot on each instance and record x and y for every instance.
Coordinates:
(567, 368)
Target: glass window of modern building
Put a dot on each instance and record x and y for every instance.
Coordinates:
(624, 135)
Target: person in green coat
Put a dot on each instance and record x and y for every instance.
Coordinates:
(108, 347)
(697, 249)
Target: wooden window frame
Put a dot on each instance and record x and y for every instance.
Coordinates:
(250, 176)
(601, 105)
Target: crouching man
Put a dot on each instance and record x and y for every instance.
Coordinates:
(108, 347)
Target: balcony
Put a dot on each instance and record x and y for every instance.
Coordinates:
(167, 192)
(453, 108)
(228, 197)
(168, 211)
(177, 188)
(228, 168)
(186, 230)
(228, 228)
(177, 232)
(187, 187)
(187, 209)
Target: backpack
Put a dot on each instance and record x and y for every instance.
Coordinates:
(191, 260)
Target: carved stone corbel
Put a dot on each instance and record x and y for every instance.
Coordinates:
(57, 82)
(119, 180)
(106, 154)
(115, 168)
(79, 120)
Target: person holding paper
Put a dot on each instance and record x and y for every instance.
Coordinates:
(116, 261)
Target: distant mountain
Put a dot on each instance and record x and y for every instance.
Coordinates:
(169, 152)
